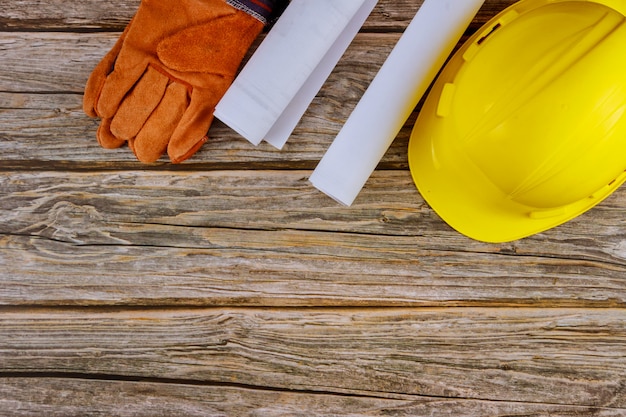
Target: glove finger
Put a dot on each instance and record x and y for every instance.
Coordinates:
(106, 139)
(139, 104)
(191, 132)
(116, 86)
(152, 140)
(99, 74)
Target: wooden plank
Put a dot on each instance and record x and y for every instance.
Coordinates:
(269, 238)
(50, 62)
(389, 15)
(54, 130)
(61, 62)
(41, 116)
(66, 15)
(39, 130)
(540, 356)
(63, 397)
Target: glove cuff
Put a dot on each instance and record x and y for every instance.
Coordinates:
(262, 10)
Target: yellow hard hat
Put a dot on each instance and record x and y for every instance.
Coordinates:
(525, 128)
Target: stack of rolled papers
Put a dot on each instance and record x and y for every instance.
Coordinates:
(273, 90)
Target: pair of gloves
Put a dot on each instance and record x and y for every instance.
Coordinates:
(157, 88)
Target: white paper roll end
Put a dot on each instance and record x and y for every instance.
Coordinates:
(341, 179)
(333, 189)
(223, 112)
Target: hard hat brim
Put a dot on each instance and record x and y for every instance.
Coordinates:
(480, 210)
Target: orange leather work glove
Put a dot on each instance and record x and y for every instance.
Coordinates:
(158, 86)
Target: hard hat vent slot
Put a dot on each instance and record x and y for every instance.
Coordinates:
(493, 29)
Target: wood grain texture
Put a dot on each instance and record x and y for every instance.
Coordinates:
(229, 286)
(36, 105)
(388, 15)
(58, 397)
(267, 237)
(549, 356)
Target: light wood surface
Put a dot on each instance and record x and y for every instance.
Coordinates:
(229, 286)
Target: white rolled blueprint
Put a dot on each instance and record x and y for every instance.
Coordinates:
(391, 97)
(275, 87)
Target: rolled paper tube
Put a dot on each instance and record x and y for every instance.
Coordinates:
(275, 87)
(284, 125)
(391, 97)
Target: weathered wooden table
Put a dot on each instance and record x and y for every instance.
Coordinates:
(229, 286)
